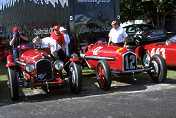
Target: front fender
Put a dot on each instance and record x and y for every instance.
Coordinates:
(72, 60)
(10, 61)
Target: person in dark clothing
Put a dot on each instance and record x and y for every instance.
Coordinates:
(16, 40)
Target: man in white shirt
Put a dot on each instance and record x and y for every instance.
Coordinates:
(67, 39)
(48, 42)
(117, 35)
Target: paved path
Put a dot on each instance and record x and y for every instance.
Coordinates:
(148, 104)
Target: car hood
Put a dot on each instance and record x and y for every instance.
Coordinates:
(103, 50)
(34, 55)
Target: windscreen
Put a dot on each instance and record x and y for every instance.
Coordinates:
(171, 40)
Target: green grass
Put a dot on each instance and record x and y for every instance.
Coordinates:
(89, 77)
(171, 74)
(3, 82)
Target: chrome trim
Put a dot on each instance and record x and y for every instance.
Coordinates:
(21, 63)
(96, 57)
(44, 60)
(127, 53)
(60, 62)
(132, 71)
(27, 64)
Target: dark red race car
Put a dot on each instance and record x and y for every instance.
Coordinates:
(4, 50)
(36, 68)
(108, 60)
(166, 49)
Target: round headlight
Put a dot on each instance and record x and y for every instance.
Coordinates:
(30, 67)
(58, 65)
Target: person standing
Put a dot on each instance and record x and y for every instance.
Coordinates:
(56, 35)
(16, 40)
(117, 35)
(67, 39)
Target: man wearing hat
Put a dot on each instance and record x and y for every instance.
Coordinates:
(56, 35)
(67, 39)
(117, 35)
(15, 40)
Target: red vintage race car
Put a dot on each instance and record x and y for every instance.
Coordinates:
(166, 49)
(108, 60)
(36, 68)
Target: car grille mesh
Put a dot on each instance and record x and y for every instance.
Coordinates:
(44, 70)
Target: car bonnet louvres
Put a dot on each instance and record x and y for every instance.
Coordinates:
(44, 70)
(129, 61)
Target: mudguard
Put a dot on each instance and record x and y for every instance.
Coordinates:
(10, 61)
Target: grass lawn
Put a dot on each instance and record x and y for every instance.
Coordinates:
(4, 93)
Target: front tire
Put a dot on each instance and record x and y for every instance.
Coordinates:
(13, 84)
(103, 73)
(145, 59)
(159, 71)
(75, 77)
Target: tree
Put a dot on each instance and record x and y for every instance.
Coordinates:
(154, 10)
(163, 8)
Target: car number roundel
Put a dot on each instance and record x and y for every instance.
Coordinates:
(95, 51)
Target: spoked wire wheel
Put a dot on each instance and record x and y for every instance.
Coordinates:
(103, 74)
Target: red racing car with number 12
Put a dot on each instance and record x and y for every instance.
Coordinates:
(108, 60)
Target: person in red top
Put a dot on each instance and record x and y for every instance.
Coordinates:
(56, 35)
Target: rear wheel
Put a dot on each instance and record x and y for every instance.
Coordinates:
(159, 71)
(13, 83)
(103, 74)
(75, 77)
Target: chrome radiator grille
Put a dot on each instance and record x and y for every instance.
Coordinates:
(44, 70)
(129, 61)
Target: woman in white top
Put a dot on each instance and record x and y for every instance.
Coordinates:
(67, 39)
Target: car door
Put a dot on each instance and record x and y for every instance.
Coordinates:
(166, 51)
(170, 52)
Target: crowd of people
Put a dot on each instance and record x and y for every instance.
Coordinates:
(59, 40)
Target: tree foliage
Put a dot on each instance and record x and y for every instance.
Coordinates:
(154, 10)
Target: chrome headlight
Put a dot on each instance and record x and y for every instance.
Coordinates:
(58, 65)
(30, 67)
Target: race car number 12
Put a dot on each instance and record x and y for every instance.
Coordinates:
(130, 62)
